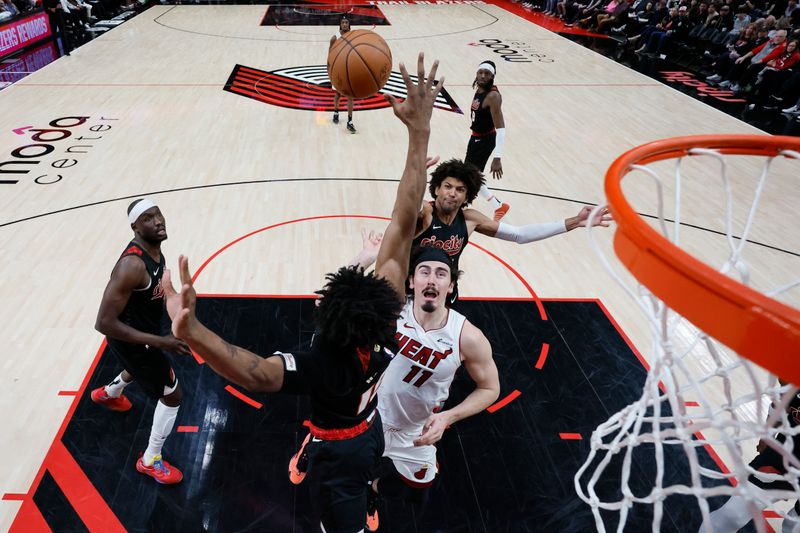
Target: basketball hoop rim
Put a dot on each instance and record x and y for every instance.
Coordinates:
(754, 325)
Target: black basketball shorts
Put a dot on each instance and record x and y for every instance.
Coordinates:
(479, 149)
(149, 366)
(339, 473)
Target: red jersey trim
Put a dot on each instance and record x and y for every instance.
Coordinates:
(363, 356)
(132, 250)
(341, 433)
(485, 133)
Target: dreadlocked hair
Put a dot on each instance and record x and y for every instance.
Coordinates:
(357, 309)
(467, 173)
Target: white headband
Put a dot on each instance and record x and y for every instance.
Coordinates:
(487, 66)
(140, 208)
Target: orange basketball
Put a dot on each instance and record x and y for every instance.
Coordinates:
(359, 63)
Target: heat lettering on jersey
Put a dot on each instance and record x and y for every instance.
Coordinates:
(422, 378)
(416, 351)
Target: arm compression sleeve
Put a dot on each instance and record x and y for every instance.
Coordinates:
(529, 233)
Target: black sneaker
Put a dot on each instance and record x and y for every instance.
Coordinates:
(336, 118)
(350, 127)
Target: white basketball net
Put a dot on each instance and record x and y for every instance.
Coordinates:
(685, 366)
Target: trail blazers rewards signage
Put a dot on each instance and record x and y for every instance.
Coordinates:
(310, 89)
(47, 154)
(23, 32)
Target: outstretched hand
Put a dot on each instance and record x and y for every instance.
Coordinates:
(370, 244)
(602, 218)
(181, 305)
(415, 110)
(432, 160)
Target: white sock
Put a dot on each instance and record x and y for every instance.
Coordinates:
(163, 420)
(488, 196)
(115, 388)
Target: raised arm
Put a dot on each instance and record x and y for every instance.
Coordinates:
(235, 364)
(532, 232)
(370, 244)
(415, 113)
(476, 353)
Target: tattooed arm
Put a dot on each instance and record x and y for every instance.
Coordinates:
(232, 362)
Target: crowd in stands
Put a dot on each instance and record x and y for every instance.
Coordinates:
(747, 46)
(69, 19)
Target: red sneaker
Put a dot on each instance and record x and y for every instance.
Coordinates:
(501, 211)
(120, 404)
(298, 464)
(161, 471)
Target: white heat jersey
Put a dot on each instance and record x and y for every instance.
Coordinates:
(416, 385)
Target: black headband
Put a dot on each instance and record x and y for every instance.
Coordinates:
(429, 253)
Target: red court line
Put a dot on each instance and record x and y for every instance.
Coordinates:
(542, 356)
(9, 496)
(249, 401)
(29, 520)
(570, 436)
(499, 298)
(551, 24)
(709, 449)
(522, 280)
(213, 256)
(279, 224)
(505, 401)
(68, 392)
(28, 515)
(187, 429)
(624, 336)
(81, 494)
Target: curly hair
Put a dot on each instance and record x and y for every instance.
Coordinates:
(357, 309)
(466, 173)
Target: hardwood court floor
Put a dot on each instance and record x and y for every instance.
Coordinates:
(155, 120)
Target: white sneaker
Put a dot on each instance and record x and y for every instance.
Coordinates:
(724, 83)
(791, 110)
(714, 78)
